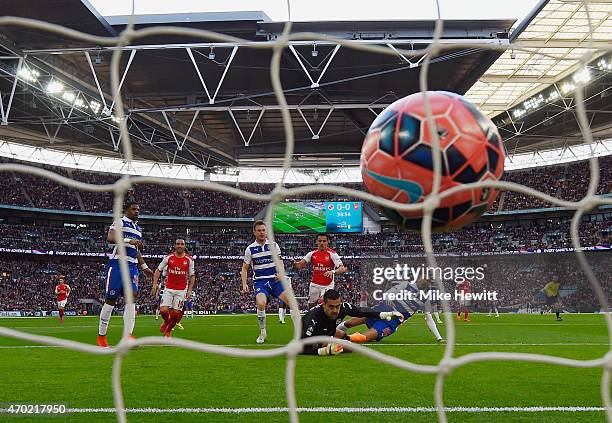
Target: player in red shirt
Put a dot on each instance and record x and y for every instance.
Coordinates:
(465, 303)
(326, 264)
(62, 290)
(180, 270)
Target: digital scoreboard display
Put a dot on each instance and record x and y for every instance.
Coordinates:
(344, 216)
(318, 217)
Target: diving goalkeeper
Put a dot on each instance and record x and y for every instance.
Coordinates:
(323, 319)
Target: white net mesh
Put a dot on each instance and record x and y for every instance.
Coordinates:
(448, 363)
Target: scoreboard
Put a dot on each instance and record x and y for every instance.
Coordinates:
(313, 217)
(344, 216)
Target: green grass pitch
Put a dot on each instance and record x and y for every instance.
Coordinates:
(166, 377)
(293, 218)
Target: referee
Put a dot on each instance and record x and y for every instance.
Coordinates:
(551, 291)
(323, 319)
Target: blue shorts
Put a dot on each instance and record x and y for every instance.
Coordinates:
(114, 286)
(384, 328)
(189, 304)
(270, 288)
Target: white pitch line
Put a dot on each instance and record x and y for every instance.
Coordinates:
(527, 324)
(338, 410)
(582, 344)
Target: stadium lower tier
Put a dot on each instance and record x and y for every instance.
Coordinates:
(27, 282)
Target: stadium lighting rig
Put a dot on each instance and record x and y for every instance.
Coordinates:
(59, 91)
(579, 78)
(27, 74)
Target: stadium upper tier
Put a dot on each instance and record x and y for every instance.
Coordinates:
(531, 235)
(566, 181)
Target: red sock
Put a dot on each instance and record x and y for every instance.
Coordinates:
(459, 314)
(61, 314)
(174, 318)
(180, 314)
(166, 315)
(467, 313)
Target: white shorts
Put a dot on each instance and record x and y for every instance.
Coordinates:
(316, 291)
(62, 304)
(173, 298)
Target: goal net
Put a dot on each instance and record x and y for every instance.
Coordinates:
(449, 362)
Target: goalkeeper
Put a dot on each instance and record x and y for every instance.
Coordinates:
(323, 319)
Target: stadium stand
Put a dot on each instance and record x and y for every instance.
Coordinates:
(25, 281)
(567, 181)
(28, 284)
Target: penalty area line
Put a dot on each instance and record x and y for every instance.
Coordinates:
(538, 409)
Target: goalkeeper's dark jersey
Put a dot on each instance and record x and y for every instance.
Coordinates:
(316, 322)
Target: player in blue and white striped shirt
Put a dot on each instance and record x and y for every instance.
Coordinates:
(266, 281)
(379, 328)
(132, 239)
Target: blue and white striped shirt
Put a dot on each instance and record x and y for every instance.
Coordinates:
(260, 258)
(130, 230)
(408, 306)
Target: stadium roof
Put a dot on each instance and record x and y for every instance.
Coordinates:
(211, 104)
(558, 36)
(171, 84)
(531, 92)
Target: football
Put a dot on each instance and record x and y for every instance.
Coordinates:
(397, 158)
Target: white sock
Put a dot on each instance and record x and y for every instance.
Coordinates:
(157, 312)
(496, 312)
(129, 317)
(342, 327)
(105, 315)
(432, 326)
(281, 314)
(261, 319)
(437, 316)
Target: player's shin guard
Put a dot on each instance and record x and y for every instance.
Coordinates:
(105, 315)
(129, 317)
(281, 314)
(175, 317)
(261, 319)
(179, 315)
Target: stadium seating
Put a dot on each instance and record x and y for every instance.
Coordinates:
(28, 284)
(232, 242)
(567, 181)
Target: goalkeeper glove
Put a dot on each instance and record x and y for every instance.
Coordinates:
(331, 349)
(388, 315)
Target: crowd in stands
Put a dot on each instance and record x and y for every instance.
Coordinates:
(28, 284)
(27, 281)
(566, 181)
(232, 242)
